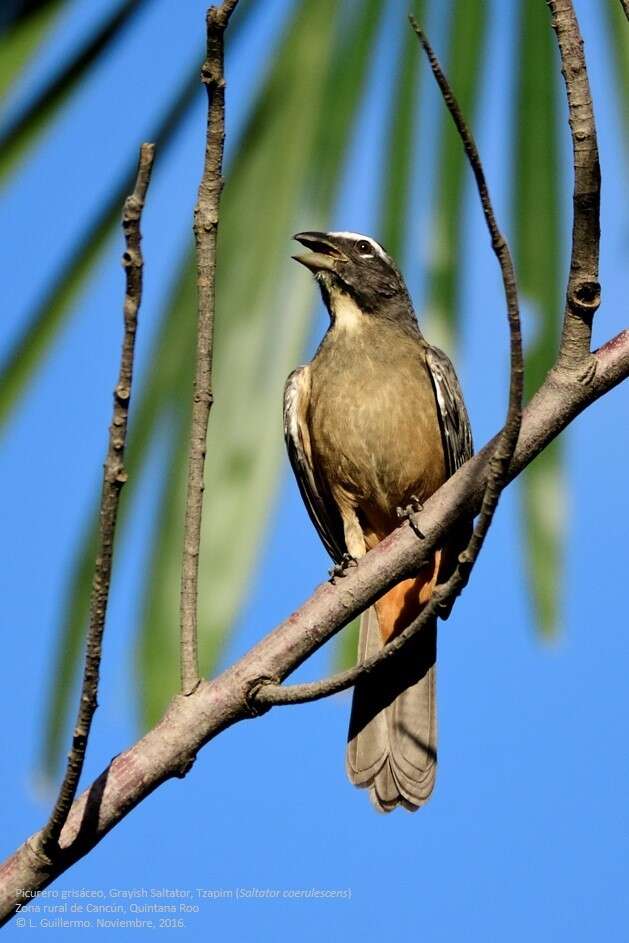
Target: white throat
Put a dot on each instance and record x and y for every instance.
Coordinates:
(346, 313)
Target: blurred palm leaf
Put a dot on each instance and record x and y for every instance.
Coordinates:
(285, 176)
(43, 324)
(37, 116)
(538, 256)
(467, 32)
(14, 14)
(619, 41)
(22, 29)
(401, 162)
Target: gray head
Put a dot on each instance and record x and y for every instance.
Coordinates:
(348, 263)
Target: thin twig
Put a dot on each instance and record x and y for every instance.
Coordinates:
(268, 693)
(625, 5)
(583, 294)
(114, 478)
(205, 232)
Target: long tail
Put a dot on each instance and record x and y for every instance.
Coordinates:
(392, 740)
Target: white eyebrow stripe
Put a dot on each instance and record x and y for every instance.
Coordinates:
(359, 235)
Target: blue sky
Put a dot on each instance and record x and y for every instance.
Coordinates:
(527, 833)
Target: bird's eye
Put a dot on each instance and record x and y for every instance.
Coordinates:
(364, 247)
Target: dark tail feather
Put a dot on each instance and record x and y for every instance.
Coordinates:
(392, 740)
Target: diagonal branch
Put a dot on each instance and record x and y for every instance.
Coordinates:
(169, 749)
(583, 294)
(269, 694)
(205, 232)
(113, 480)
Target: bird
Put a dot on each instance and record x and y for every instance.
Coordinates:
(375, 423)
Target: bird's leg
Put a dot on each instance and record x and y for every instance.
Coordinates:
(354, 542)
(408, 513)
(339, 569)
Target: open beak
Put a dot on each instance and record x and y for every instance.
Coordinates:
(323, 254)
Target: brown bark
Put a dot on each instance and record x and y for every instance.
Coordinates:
(113, 480)
(205, 233)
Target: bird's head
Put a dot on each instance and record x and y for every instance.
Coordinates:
(350, 264)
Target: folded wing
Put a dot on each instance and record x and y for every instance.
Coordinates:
(321, 508)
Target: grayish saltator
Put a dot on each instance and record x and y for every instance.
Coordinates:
(375, 422)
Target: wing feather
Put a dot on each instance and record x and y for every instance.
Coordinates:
(320, 507)
(456, 432)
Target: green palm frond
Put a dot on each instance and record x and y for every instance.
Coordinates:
(23, 131)
(464, 62)
(401, 160)
(22, 30)
(43, 324)
(538, 257)
(619, 41)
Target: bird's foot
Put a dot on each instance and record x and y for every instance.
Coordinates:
(409, 513)
(340, 569)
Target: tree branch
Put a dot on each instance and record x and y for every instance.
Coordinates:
(169, 749)
(205, 232)
(113, 480)
(583, 294)
(442, 598)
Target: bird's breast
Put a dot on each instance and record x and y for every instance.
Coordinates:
(373, 422)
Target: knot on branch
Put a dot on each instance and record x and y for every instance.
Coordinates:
(211, 74)
(217, 17)
(131, 211)
(255, 708)
(586, 297)
(204, 396)
(205, 220)
(588, 372)
(182, 771)
(41, 853)
(131, 259)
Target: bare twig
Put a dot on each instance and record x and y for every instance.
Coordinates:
(205, 232)
(113, 480)
(268, 693)
(625, 5)
(168, 750)
(583, 294)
